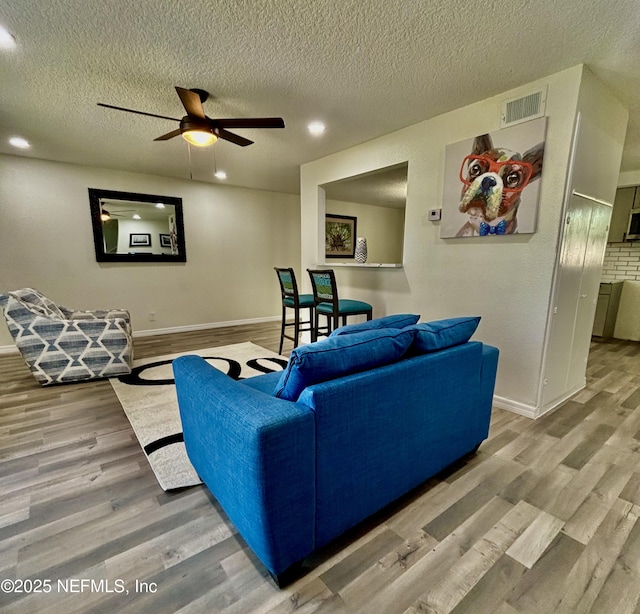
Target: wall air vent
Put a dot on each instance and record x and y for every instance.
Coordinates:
(518, 110)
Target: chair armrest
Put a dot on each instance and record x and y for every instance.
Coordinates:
(96, 314)
(120, 318)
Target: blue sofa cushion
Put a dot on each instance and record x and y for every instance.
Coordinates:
(338, 356)
(442, 334)
(396, 320)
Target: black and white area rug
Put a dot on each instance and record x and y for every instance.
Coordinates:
(148, 397)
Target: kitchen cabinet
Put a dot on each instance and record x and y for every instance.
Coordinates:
(628, 319)
(604, 322)
(626, 199)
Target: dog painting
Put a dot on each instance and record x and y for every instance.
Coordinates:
(492, 182)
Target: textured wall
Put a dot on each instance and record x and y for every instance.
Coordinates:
(234, 237)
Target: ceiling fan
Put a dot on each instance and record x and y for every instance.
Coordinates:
(198, 129)
(106, 215)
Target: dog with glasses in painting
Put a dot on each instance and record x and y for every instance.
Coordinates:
(494, 179)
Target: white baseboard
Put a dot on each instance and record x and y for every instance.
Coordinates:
(12, 349)
(192, 327)
(531, 411)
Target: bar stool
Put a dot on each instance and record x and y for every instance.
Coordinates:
(292, 300)
(327, 303)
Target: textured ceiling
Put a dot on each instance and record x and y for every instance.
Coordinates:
(386, 187)
(364, 67)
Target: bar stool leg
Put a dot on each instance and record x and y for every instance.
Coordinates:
(284, 316)
(312, 321)
(296, 328)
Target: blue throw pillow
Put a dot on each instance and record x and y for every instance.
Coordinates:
(337, 356)
(397, 320)
(441, 334)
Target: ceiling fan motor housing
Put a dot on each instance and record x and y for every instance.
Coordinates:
(189, 122)
(203, 94)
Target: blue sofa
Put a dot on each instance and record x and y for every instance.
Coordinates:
(296, 458)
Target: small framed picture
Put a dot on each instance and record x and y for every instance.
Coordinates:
(340, 233)
(140, 240)
(165, 241)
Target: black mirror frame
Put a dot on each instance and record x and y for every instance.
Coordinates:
(98, 238)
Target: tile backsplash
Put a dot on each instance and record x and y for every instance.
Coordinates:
(621, 261)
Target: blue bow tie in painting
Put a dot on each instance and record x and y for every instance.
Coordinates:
(499, 229)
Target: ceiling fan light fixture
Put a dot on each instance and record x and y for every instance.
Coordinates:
(7, 40)
(316, 128)
(19, 142)
(105, 216)
(199, 138)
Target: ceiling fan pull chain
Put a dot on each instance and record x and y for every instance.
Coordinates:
(190, 169)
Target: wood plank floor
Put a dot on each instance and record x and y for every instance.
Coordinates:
(543, 519)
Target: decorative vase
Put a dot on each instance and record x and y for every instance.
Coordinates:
(361, 250)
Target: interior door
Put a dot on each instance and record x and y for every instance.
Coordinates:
(596, 243)
(579, 270)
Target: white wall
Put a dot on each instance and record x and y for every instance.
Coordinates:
(629, 178)
(234, 238)
(592, 179)
(506, 280)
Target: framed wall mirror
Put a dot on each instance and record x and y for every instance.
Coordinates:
(130, 227)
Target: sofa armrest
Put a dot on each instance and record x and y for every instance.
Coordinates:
(489, 371)
(256, 454)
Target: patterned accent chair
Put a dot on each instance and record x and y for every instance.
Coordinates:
(63, 345)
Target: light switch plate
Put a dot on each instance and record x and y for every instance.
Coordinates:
(434, 214)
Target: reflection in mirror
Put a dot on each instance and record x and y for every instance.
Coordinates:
(378, 200)
(130, 227)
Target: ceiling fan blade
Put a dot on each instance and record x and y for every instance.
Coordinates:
(169, 135)
(233, 138)
(191, 102)
(110, 106)
(250, 122)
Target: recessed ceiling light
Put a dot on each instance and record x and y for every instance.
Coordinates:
(7, 40)
(19, 142)
(220, 175)
(316, 128)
